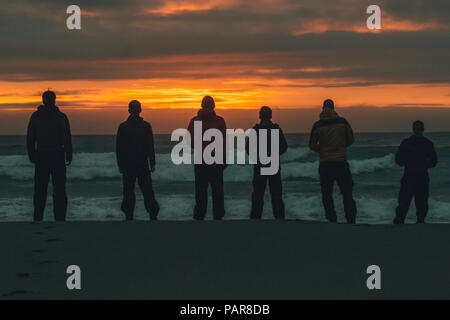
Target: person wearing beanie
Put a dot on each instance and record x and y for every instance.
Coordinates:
(260, 181)
(135, 151)
(49, 146)
(416, 154)
(330, 137)
(209, 174)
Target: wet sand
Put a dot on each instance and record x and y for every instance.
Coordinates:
(223, 260)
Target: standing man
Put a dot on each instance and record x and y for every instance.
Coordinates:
(330, 137)
(417, 155)
(209, 174)
(49, 145)
(260, 181)
(134, 150)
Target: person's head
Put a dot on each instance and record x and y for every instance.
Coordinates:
(208, 103)
(328, 104)
(48, 98)
(134, 107)
(418, 127)
(265, 113)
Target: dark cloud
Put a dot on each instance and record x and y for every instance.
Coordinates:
(37, 45)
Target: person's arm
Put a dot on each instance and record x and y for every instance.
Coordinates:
(31, 140)
(314, 140)
(400, 155)
(350, 138)
(119, 150)
(67, 141)
(223, 129)
(283, 142)
(151, 148)
(432, 158)
(191, 132)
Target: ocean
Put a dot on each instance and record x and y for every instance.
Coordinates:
(94, 182)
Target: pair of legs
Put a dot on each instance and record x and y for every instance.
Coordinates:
(340, 172)
(41, 179)
(144, 179)
(206, 175)
(259, 188)
(417, 186)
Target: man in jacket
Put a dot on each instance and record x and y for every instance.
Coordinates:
(134, 150)
(260, 181)
(330, 137)
(209, 174)
(417, 155)
(49, 145)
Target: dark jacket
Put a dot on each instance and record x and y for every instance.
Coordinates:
(268, 125)
(209, 120)
(48, 136)
(134, 144)
(416, 154)
(330, 136)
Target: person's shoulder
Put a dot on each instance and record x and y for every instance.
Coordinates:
(147, 124)
(342, 120)
(317, 124)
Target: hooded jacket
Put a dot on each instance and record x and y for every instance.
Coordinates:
(416, 154)
(330, 136)
(49, 140)
(209, 120)
(134, 144)
(268, 125)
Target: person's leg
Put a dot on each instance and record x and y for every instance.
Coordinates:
(259, 187)
(404, 201)
(216, 179)
(201, 191)
(129, 197)
(146, 186)
(276, 193)
(326, 185)
(421, 194)
(41, 179)
(59, 192)
(345, 182)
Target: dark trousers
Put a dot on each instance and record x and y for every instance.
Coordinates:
(340, 172)
(417, 186)
(259, 188)
(144, 179)
(42, 175)
(206, 175)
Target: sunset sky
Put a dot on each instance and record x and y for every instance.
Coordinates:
(288, 54)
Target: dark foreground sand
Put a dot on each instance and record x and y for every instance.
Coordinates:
(223, 260)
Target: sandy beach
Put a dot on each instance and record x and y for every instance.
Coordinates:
(223, 260)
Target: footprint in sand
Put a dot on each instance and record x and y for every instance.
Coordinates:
(22, 275)
(48, 262)
(15, 293)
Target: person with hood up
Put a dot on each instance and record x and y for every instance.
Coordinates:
(330, 137)
(209, 174)
(260, 181)
(134, 150)
(49, 146)
(417, 155)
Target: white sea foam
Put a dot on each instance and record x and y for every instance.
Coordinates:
(89, 166)
(179, 207)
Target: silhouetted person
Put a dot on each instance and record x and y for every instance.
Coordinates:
(209, 174)
(417, 155)
(259, 180)
(49, 145)
(134, 150)
(330, 136)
